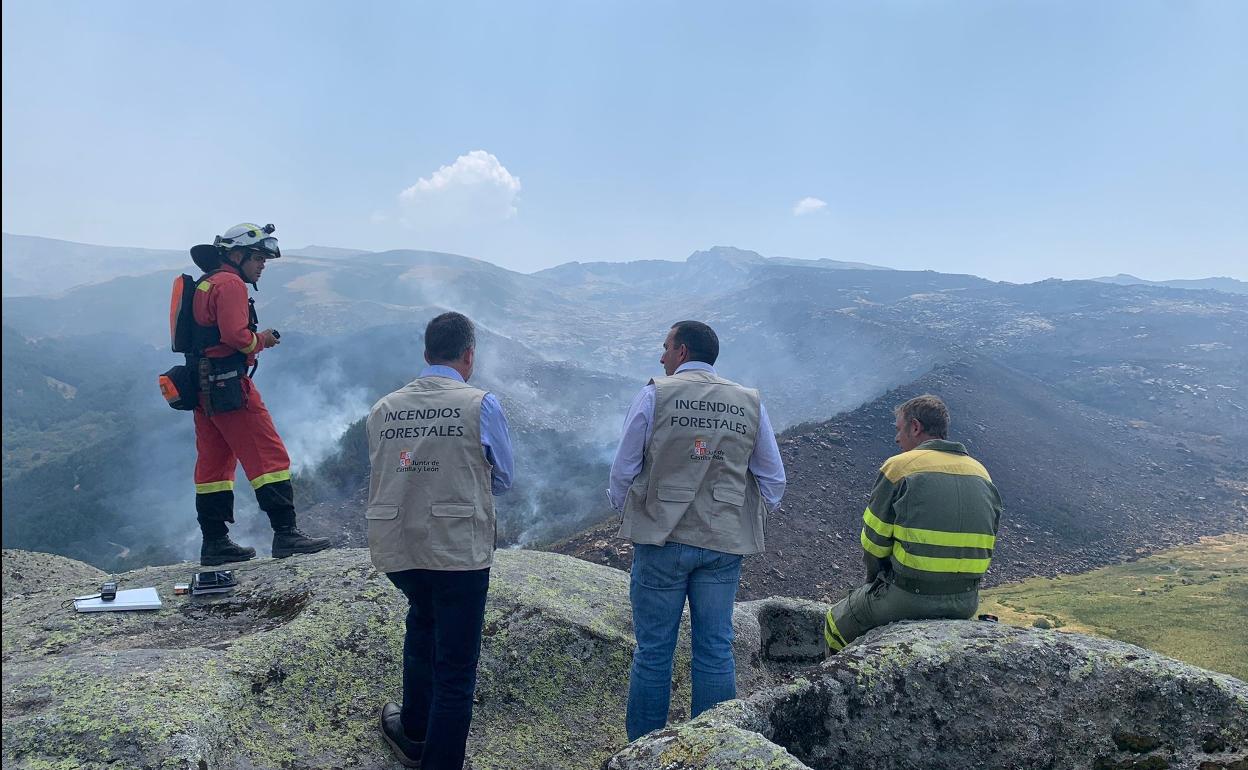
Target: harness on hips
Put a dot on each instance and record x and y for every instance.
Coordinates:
(213, 383)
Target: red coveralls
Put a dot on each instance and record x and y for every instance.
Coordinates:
(248, 435)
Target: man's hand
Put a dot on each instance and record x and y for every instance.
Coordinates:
(269, 338)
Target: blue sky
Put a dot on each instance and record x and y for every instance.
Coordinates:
(1013, 140)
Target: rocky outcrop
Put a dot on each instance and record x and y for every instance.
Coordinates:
(27, 572)
(969, 694)
(290, 669)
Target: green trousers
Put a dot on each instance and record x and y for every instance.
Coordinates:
(881, 602)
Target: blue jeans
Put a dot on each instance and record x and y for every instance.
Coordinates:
(662, 577)
(445, 614)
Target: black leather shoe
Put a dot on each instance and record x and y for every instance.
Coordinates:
(223, 550)
(407, 750)
(288, 542)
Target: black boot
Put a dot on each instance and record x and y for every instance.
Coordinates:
(407, 751)
(277, 499)
(222, 550)
(288, 541)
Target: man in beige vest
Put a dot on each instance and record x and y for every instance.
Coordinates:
(440, 450)
(696, 473)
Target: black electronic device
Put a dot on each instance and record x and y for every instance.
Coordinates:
(214, 582)
(276, 334)
(108, 591)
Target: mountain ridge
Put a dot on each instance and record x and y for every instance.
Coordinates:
(32, 250)
(1212, 283)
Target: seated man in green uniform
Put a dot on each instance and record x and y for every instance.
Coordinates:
(927, 535)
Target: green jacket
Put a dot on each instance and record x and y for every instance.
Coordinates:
(933, 516)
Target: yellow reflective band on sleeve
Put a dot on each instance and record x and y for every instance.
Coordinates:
(878, 551)
(832, 634)
(255, 340)
(213, 486)
(204, 286)
(939, 563)
(936, 537)
(270, 478)
(875, 523)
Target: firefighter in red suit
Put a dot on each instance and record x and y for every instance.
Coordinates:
(230, 432)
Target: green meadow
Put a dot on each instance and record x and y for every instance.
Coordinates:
(1190, 603)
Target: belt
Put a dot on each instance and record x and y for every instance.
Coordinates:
(934, 587)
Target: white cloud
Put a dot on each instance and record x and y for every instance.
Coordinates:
(808, 205)
(475, 189)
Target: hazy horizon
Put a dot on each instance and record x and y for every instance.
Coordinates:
(291, 249)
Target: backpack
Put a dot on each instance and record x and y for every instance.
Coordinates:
(181, 314)
(220, 379)
(180, 385)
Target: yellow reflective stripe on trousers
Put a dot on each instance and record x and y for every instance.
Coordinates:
(213, 486)
(255, 340)
(936, 537)
(832, 634)
(878, 551)
(939, 563)
(270, 478)
(874, 522)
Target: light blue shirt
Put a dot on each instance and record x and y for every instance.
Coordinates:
(495, 437)
(765, 462)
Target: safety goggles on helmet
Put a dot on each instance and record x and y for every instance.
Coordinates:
(267, 247)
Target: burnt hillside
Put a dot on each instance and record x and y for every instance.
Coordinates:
(1081, 488)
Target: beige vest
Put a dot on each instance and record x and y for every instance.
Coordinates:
(429, 501)
(695, 486)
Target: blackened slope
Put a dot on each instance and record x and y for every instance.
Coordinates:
(1081, 488)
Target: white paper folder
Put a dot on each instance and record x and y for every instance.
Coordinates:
(130, 599)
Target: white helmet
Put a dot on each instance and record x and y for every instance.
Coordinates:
(251, 238)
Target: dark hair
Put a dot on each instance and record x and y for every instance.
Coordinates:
(448, 337)
(930, 411)
(701, 340)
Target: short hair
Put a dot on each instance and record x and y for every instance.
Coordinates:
(701, 340)
(448, 337)
(930, 411)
